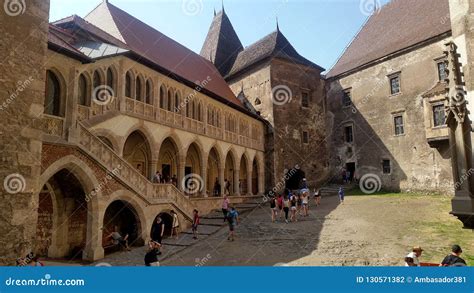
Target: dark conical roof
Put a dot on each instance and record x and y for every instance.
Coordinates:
(274, 45)
(222, 43)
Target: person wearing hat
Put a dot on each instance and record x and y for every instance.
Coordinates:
(453, 259)
(412, 259)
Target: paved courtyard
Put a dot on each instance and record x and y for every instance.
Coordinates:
(365, 230)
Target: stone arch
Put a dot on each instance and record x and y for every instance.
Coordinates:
(243, 174)
(129, 84)
(149, 91)
(140, 88)
(56, 93)
(111, 78)
(167, 218)
(84, 94)
(168, 158)
(129, 201)
(193, 169)
(72, 190)
(229, 170)
(137, 151)
(169, 100)
(162, 97)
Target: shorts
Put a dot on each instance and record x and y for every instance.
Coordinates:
(293, 208)
(280, 207)
(194, 228)
(231, 226)
(305, 203)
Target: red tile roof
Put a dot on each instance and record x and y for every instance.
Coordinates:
(160, 49)
(397, 25)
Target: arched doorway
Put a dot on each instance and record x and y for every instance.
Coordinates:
(192, 171)
(122, 216)
(229, 171)
(167, 219)
(62, 217)
(295, 177)
(213, 172)
(168, 160)
(137, 152)
(254, 176)
(243, 185)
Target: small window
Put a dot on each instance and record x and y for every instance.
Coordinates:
(442, 71)
(386, 169)
(347, 98)
(52, 101)
(439, 115)
(138, 89)
(148, 92)
(398, 121)
(305, 137)
(82, 91)
(128, 85)
(348, 134)
(257, 102)
(395, 85)
(305, 100)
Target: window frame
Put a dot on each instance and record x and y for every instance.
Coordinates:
(305, 134)
(384, 166)
(347, 93)
(395, 116)
(352, 134)
(308, 99)
(436, 105)
(395, 75)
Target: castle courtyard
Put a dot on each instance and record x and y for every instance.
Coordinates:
(374, 230)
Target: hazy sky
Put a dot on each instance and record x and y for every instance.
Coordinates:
(318, 29)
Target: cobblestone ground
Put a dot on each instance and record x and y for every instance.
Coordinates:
(365, 230)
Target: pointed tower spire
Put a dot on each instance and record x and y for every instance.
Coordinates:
(215, 11)
(223, 10)
(278, 27)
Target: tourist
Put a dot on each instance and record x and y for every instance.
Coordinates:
(195, 223)
(273, 207)
(412, 259)
(226, 187)
(225, 207)
(174, 180)
(286, 207)
(233, 220)
(175, 225)
(317, 197)
(343, 174)
(118, 239)
(157, 178)
(151, 257)
(304, 201)
(348, 177)
(454, 259)
(280, 204)
(217, 188)
(341, 194)
(157, 230)
(304, 185)
(293, 202)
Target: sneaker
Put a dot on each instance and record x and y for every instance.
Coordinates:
(286, 221)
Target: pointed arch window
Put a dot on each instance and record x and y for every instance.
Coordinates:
(138, 89)
(170, 101)
(162, 97)
(52, 101)
(128, 84)
(82, 94)
(199, 117)
(176, 103)
(111, 80)
(148, 92)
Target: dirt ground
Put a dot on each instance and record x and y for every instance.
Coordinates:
(364, 231)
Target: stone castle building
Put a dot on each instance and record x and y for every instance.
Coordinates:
(93, 107)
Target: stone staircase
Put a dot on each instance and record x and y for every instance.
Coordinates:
(150, 192)
(209, 224)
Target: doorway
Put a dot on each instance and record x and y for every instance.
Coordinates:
(351, 167)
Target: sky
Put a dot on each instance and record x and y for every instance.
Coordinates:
(318, 29)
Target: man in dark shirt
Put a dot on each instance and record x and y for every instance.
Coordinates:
(157, 230)
(453, 260)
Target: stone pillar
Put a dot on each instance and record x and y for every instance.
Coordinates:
(249, 179)
(94, 250)
(261, 180)
(23, 45)
(120, 94)
(181, 165)
(204, 176)
(236, 182)
(71, 100)
(221, 179)
(153, 169)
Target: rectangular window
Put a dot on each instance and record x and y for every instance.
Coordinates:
(398, 121)
(442, 71)
(439, 115)
(348, 135)
(305, 137)
(386, 167)
(346, 98)
(305, 100)
(395, 84)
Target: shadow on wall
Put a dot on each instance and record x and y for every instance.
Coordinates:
(362, 151)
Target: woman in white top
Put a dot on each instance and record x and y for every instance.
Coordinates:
(175, 226)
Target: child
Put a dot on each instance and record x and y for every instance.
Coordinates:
(293, 202)
(341, 194)
(195, 223)
(233, 220)
(280, 204)
(304, 201)
(286, 207)
(317, 197)
(273, 207)
(151, 257)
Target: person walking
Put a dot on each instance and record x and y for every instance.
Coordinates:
(305, 203)
(151, 256)
(293, 202)
(341, 194)
(175, 225)
(195, 223)
(233, 220)
(273, 207)
(280, 204)
(157, 177)
(217, 188)
(226, 187)
(317, 197)
(286, 207)
(454, 259)
(157, 230)
(225, 207)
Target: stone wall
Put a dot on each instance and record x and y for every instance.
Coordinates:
(414, 164)
(23, 47)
